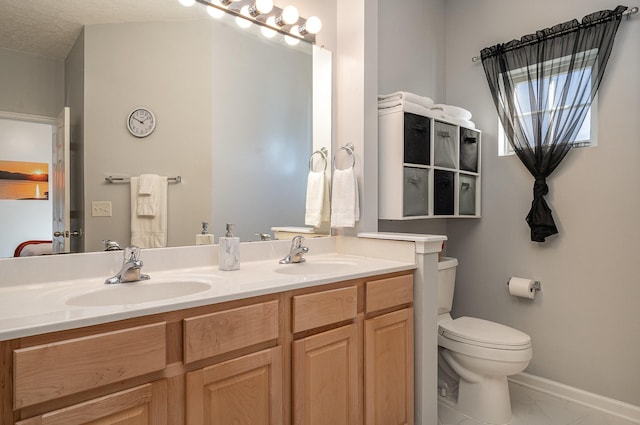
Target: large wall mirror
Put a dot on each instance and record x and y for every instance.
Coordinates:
(237, 118)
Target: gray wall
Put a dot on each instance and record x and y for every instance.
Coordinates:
(31, 84)
(411, 57)
(585, 322)
(126, 66)
(233, 120)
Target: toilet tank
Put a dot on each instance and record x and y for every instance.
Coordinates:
(446, 283)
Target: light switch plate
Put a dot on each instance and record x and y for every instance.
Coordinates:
(101, 209)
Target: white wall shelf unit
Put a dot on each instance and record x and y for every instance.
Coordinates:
(429, 167)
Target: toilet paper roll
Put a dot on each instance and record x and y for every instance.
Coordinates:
(521, 287)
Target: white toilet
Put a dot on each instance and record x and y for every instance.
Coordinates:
(478, 354)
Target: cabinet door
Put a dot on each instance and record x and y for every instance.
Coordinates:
(143, 405)
(325, 378)
(242, 391)
(388, 369)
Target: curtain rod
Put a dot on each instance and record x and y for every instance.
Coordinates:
(627, 13)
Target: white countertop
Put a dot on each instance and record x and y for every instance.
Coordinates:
(29, 308)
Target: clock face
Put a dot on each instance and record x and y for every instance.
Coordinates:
(141, 122)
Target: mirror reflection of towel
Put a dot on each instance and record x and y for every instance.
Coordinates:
(149, 229)
(317, 201)
(149, 186)
(345, 205)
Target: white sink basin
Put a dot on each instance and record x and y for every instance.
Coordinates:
(139, 292)
(316, 266)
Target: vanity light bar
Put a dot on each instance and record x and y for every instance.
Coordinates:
(298, 30)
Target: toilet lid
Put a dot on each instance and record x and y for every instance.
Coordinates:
(483, 333)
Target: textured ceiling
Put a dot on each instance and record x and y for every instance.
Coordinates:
(50, 27)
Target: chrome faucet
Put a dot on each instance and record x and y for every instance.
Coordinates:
(130, 271)
(110, 245)
(296, 252)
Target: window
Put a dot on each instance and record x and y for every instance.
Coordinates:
(555, 74)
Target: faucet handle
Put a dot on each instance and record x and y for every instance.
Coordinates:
(110, 245)
(297, 240)
(131, 253)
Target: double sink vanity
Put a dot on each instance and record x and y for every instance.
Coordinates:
(326, 341)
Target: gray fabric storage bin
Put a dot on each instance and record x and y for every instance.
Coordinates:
(469, 150)
(416, 191)
(467, 205)
(445, 145)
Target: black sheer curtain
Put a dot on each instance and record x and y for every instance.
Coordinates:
(542, 86)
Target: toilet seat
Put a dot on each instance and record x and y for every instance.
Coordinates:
(485, 334)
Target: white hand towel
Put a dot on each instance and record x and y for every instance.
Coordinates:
(149, 231)
(148, 187)
(146, 183)
(345, 205)
(408, 97)
(317, 204)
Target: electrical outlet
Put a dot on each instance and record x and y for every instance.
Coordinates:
(101, 209)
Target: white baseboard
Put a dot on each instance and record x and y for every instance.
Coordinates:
(623, 410)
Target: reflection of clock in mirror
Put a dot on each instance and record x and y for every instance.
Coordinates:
(141, 122)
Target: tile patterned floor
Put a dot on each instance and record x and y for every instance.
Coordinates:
(531, 407)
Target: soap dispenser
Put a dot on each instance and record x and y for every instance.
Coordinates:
(204, 238)
(229, 255)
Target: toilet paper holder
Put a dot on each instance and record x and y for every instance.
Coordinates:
(536, 285)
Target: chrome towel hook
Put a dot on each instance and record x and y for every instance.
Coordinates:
(349, 149)
(323, 152)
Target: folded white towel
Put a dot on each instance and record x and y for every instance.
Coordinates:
(146, 183)
(454, 111)
(317, 204)
(345, 205)
(458, 121)
(149, 231)
(405, 106)
(148, 187)
(407, 96)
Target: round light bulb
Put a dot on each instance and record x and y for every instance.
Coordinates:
(271, 21)
(264, 6)
(242, 22)
(268, 32)
(313, 25)
(290, 15)
(187, 3)
(292, 41)
(215, 13)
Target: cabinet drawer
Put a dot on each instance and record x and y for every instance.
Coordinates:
(146, 404)
(324, 308)
(390, 292)
(217, 333)
(50, 371)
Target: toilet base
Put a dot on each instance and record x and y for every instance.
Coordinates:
(487, 400)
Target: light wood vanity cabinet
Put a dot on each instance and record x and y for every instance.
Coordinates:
(325, 364)
(327, 386)
(245, 390)
(338, 353)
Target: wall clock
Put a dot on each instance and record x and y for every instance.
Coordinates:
(141, 122)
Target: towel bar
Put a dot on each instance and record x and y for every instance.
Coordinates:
(111, 179)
